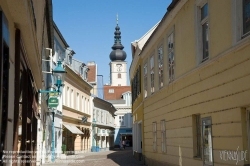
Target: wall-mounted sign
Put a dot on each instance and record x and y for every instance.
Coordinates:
(84, 119)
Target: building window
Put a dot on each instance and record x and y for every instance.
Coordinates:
(171, 62)
(207, 141)
(88, 107)
(121, 120)
(197, 136)
(97, 114)
(77, 101)
(246, 16)
(81, 71)
(107, 119)
(72, 99)
(82, 104)
(94, 114)
(160, 63)
(111, 90)
(152, 73)
(163, 136)
(204, 31)
(68, 97)
(70, 60)
(119, 75)
(154, 126)
(102, 117)
(145, 79)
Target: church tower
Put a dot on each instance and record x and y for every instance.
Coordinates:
(118, 65)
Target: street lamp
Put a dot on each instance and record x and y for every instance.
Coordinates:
(93, 138)
(59, 75)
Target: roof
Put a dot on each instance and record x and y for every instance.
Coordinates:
(170, 7)
(68, 69)
(60, 34)
(140, 43)
(92, 73)
(115, 92)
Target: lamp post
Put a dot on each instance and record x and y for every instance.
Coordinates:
(59, 75)
(93, 139)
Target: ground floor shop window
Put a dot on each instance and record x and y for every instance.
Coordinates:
(207, 141)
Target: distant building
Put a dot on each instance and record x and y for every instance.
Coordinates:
(102, 125)
(92, 77)
(77, 106)
(118, 93)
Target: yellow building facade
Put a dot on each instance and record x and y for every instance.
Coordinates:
(76, 107)
(194, 77)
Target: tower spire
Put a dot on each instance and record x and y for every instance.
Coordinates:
(117, 19)
(117, 53)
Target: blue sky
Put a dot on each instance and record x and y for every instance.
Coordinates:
(89, 26)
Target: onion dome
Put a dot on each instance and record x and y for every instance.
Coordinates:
(117, 54)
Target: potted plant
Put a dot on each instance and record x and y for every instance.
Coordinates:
(63, 148)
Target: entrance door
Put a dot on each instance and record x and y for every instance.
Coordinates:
(207, 141)
(139, 138)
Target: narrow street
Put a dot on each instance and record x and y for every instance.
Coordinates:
(105, 158)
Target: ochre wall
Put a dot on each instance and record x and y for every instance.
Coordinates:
(218, 88)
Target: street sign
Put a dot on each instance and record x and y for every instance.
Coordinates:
(53, 102)
(84, 119)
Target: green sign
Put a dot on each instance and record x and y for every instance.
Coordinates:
(53, 102)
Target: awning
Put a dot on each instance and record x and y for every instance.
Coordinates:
(73, 129)
(126, 134)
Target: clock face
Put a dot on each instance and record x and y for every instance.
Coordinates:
(119, 67)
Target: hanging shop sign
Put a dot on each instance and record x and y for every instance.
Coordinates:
(53, 102)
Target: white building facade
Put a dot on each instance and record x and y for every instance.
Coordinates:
(102, 125)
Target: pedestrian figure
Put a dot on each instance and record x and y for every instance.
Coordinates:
(121, 144)
(124, 144)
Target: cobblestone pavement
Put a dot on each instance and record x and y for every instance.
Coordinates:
(106, 158)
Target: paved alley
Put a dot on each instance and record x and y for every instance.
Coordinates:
(106, 158)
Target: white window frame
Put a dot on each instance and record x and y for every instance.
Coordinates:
(101, 116)
(152, 73)
(161, 66)
(198, 30)
(88, 108)
(94, 114)
(82, 104)
(111, 91)
(68, 96)
(163, 136)
(154, 131)
(145, 79)
(70, 60)
(121, 120)
(237, 22)
(97, 116)
(77, 101)
(171, 57)
(72, 99)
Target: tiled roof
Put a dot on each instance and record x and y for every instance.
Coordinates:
(92, 73)
(115, 92)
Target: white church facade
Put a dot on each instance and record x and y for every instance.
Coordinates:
(119, 93)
